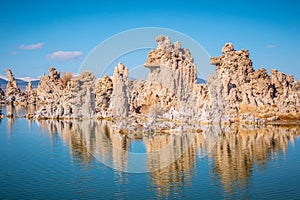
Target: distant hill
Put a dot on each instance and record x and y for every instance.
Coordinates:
(35, 83)
(21, 83)
(199, 81)
(3, 83)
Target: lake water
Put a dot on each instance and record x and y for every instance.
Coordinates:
(87, 159)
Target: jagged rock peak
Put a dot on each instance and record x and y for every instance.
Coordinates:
(121, 70)
(10, 75)
(167, 53)
(119, 106)
(228, 47)
(13, 93)
(163, 42)
(12, 83)
(103, 91)
(29, 87)
(173, 67)
(233, 64)
(251, 95)
(53, 73)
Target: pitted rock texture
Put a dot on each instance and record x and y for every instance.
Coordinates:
(104, 88)
(50, 88)
(31, 94)
(255, 96)
(82, 91)
(76, 99)
(172, 66)
(119, 106)
(236, 93)
(151, 99)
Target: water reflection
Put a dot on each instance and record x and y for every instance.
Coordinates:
(17, 112)
(233, 151)
(240, 149)
(170, 180)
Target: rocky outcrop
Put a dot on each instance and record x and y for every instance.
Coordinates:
(119, 106)
(254, 96)
(173, 67)
(151, 99)
(50, 88)
(13, 95)
(31, 94)
(80, 96)
(76, 99)
(11, 82)
(236, 93)
(103, 89)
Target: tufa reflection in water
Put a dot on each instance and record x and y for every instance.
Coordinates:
(233, 151)
(238, 150)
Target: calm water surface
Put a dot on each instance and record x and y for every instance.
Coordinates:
(55, 159)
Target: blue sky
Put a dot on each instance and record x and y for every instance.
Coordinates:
(35, 35)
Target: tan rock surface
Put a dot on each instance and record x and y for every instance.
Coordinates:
(151, 99)
(103, 91)
(13, 95)
(254, 96)
(50, 88)
(119, 106)
(236, 93)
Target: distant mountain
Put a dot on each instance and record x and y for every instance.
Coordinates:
(35, 83)
(199, 81)
(22, 82)
(3, 81)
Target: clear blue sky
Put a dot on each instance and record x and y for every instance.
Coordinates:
(31, 30)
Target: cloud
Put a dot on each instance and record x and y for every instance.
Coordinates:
(13, 53)
(64, 55)
(32, 46)
(271, 46)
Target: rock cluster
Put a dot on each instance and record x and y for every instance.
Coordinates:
(151, 99)
(254, 96)
(236, 93)
(76, 99)
(50, 88)
(31, 94)
(103, 89)
(167, 91)
(119, 105)
(82, 93)
(173, 67)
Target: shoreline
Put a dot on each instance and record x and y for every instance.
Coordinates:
(147, 125)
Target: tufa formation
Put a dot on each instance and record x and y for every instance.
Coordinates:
(236, 93)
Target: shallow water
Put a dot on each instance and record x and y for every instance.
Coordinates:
(83, 159)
